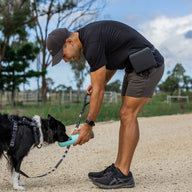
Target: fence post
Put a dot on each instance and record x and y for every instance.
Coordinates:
(36, 97)
(1, 98)
(71, 96)
(63, 97)
(115, 95)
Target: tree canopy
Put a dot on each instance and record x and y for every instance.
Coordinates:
(16, 67)
(16, 52)
(176, 81)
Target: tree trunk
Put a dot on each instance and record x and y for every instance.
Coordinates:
(12, 98)
(44, 90)
(78, 94)
(44, 83)
(6, 42)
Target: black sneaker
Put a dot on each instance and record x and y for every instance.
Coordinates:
(94, 175)
(114, 180)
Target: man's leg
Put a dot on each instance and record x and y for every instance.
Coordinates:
(129, 131)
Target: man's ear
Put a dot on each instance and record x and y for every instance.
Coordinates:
(69, 40)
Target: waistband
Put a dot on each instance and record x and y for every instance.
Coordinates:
(157, 56)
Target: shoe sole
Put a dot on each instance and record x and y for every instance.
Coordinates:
(92, 178)
(130, 185)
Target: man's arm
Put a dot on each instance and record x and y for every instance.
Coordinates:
(109, 75)
(98, 87)
(98, 79)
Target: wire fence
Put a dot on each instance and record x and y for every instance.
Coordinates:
(34, 97)
(179, 98)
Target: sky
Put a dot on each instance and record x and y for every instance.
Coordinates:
(165, 23)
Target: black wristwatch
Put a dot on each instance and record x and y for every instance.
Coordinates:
(89, 122)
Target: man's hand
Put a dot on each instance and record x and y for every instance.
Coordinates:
(96, 90)
(90, 90)
(84, 134)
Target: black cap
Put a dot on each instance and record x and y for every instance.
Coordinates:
(55, 41)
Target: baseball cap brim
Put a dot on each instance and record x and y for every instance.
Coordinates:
(58, 57)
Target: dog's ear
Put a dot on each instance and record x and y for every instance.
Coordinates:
(51, 127)
(52, 122)
(49, 116)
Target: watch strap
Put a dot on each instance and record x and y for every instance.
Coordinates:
(90, 122)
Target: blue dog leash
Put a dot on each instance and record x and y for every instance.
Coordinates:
(67, 147)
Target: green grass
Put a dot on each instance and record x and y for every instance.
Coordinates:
(69, 113)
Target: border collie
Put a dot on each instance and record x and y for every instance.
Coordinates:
(19, 134)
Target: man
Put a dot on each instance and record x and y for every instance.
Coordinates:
(107, 47)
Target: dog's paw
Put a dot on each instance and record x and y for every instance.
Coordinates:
(21, 183)
(19, 188)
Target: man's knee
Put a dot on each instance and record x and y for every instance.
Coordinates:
(127, 114)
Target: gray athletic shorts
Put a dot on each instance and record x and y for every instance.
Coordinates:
(141, 85)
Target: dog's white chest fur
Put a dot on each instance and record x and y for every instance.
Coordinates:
(38, 121)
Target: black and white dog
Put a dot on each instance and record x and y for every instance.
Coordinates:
(19, 134)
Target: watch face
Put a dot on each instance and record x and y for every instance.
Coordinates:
(91, 123)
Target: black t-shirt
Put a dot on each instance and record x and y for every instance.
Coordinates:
(110, 43)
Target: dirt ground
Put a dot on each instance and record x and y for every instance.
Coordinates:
(162, 160)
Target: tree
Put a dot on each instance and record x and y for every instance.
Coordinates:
(60, 13)
(15, 64)
(187, 80)
(50, 84)
(176, 81)
(79, 68)
(170, 85)
(60, 89)
(15, 52)
(178, 73)
(114, 86)
(15, 15)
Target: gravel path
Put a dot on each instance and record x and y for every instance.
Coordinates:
(162, 161)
